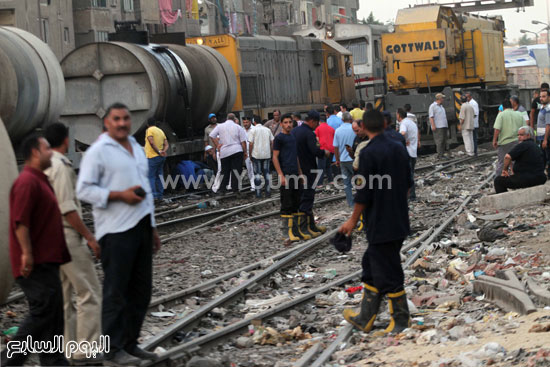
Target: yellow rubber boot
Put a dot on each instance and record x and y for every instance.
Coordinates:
(399, 311)
(370, 303)
(301, 226)
(287, 224)
(313, 227)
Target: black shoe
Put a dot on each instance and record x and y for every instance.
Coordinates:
(121, 358)
(143, 354)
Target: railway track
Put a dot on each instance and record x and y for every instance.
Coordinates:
(284, 259)
(222, 214)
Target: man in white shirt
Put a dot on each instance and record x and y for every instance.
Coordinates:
(475, 105)
(466, 118)
(247, 125)
(409, 130)
(261, 147)
(407, 107)
(114, 179)
(230, 139)
(439, 125)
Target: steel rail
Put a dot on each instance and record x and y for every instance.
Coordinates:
(198, 314)
(346, 331)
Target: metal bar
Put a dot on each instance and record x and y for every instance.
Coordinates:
(444, 225)
(194, 316)
(343, 335)
(200, 215)
(14, 297)
(217, 219)
(181, 350)
(422, 237)
(306, 358)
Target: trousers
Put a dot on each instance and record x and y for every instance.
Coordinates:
(231, 167)
(79, 277)
(468, 137)
(45, 318)
(412, 162)
(502, 184)
(382, 266)
(250, 170)
(475, 140)
(290, 200)
(127, 261)
(218, 179)
(261, 170)
(325, 164)
(440, 137)
(347, 172)
(156, 171)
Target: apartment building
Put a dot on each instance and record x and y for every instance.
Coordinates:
(49, 20)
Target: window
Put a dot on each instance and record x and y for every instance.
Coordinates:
(309, 11)
(102, 36)
(99, 3)
(45, 30)
(358, 50)
(376, 51)
(332, 66)
(7, 17)
(304, 19)
(66, 35)
(128, 5)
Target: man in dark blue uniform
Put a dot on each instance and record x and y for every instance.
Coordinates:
(390, 131)
(384, 164)
(308, 152)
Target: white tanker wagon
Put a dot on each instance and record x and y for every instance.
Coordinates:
(32, 93)
(178, 85)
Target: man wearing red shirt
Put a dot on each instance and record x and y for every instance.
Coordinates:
(37, 249)
(325, 135)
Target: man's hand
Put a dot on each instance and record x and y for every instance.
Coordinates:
(156, 241)
(544, 144)
(419, 143)
(327, 153)
(495, 144)
(337, 163)
(130, 197)
(163, 153)
(245, 156)
(94, 246)
(433, 128)
(505, 173)
(408, 142)
(27, 263)
(348, 227)
(282, 179)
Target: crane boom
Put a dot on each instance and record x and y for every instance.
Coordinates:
(469, 6)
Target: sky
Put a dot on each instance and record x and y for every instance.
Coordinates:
(514, 21)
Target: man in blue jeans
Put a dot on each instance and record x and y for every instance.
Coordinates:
(345, 136)
(156, 147)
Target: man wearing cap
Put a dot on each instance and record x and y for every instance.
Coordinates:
(309, 150)
(438, 122)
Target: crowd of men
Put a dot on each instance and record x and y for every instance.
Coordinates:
(51, 248)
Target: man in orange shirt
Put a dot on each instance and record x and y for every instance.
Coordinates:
(156, 147)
